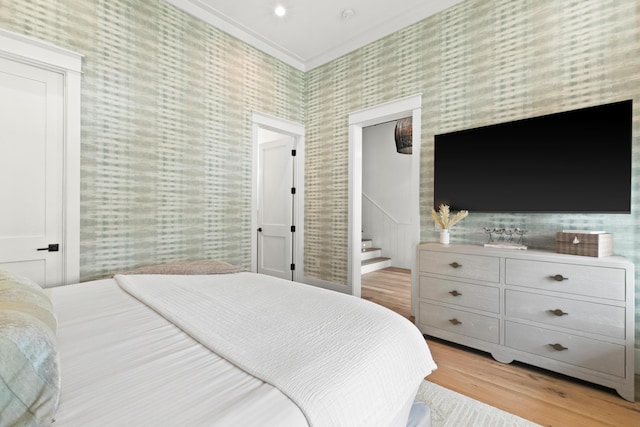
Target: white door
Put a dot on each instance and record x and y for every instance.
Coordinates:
(31, 171)
(275, 208)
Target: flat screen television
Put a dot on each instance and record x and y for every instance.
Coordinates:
(575, 161)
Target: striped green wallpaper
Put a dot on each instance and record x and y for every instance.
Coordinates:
(477, 63)
(166, 127)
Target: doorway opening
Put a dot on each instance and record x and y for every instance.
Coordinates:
(386, 199)
(278, 197)
(46, 246)
(405, 107)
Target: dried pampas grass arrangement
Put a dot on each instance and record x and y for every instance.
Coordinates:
(444, 219)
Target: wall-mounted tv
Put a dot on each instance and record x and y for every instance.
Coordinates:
(575, 161)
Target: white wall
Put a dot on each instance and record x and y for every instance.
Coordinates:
(386, 189)
(386, 174)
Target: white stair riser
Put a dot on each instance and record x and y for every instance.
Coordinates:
(367, 243)
(371, 254)
(368, 268)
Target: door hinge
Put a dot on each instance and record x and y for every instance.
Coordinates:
(293, 267)
(293, 228)
(293, 153)
(293, 190)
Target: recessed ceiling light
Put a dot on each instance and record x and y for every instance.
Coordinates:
(280, 11)
(348, 13)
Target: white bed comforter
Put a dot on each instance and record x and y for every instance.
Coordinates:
(344, 361)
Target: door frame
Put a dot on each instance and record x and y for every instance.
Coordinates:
(296, 130)
(393, 110)
(31, 51)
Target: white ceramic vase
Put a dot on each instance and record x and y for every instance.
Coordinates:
(444, 236)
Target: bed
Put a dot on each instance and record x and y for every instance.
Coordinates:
(191, 344)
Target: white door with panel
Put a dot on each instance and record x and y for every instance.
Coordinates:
(276, 192)
(31, 171)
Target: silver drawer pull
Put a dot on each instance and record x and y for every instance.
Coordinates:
(455, 293)
(558, 312)
(558, 278)
(558, 347)
(455, 321)
(455, 265)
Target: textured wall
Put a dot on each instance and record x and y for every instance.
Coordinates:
(166, 127)
(477, 63)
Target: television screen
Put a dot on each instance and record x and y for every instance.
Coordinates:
(576, 161)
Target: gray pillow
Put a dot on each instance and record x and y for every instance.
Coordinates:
(188, 267)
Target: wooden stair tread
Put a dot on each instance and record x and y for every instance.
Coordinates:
(373, 260)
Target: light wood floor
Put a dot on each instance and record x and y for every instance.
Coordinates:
(538, 395)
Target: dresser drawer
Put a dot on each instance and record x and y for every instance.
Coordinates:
(484, 328)
(587, 353)
(479, 297)
(584, 316)
(465, 266)
(600, 282)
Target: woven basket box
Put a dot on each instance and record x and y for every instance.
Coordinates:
(596, 245)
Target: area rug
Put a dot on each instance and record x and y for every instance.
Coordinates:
(452, 409)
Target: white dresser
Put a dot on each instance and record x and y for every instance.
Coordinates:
(566, 313)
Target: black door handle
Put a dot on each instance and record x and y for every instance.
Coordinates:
(53, 247)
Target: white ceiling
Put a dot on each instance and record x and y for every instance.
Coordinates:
(313, 32)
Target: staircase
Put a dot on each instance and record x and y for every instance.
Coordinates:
(371, 258)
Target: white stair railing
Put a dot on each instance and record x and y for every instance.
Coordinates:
(392, 236)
